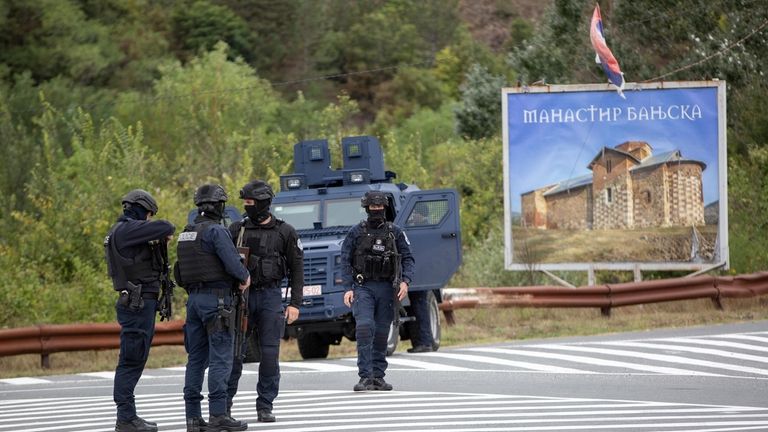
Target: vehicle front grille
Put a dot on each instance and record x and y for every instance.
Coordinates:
(316, 270)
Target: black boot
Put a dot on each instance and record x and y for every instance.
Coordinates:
(420, 349)
(265, 416)
(226, 423)
(380, 384)
(196, 424)
(137, 424)
(363, 384)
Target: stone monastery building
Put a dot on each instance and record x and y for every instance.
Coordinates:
(628, 188)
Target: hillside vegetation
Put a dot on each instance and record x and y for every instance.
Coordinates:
(99, 97)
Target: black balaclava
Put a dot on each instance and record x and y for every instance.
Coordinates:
(211, 210)
(135, 212)
(376, 218)
(259, 212)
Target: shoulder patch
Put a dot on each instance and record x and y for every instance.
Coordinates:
(299, 245)
(408, 242)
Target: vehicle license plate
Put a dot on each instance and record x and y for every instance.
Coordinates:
(312, 290)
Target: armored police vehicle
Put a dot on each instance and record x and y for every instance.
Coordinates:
(323, 204)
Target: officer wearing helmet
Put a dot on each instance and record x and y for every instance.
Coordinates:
(375, 258)
(135, 250)
(209, 269)
(274, 253)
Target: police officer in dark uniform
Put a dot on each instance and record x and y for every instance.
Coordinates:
(422, 341)
(376, 261)
(275, 252)
(209, 268)
(135, 247)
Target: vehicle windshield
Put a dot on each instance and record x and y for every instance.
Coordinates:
(300, 215)
(338, 212)
(343, 212)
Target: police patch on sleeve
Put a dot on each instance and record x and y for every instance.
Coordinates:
(299, 245)
(408, 242)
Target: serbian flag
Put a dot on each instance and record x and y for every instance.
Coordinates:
(604, 56)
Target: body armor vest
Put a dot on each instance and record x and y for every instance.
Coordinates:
(196, 265)
(266, 261)
(376, 253)
(142, 269)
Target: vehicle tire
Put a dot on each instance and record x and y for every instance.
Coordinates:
(252, 349)
(434, 320)
(313, 346)
(393, 338)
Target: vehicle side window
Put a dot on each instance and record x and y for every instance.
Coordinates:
(427, 213)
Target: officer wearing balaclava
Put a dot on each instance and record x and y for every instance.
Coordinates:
(135, 263)
(375, 256)
(275, 252)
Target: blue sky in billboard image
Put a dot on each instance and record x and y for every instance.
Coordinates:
(560, 147)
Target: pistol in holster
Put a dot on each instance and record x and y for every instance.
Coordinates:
(224, 320)
(130, 297)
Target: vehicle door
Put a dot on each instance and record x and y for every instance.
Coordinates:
(431, 222)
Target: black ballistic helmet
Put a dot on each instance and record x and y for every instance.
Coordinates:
(210, 193)
(142, 198)
(374, 198)
(257, 190)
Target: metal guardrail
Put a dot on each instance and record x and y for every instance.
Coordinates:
(607, 296)
(48, 339)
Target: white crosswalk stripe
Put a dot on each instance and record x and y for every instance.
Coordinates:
(316, 411)
(590, 360)
(541, 367)
(732, 354)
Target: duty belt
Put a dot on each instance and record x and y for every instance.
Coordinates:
(149, 295)
(220, 292)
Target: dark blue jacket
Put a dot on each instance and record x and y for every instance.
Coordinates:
(407, 262)
(134, 236)
(217, 240)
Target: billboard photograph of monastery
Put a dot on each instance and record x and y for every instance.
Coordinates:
(596, 180)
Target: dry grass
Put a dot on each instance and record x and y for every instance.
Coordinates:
(643, 245)
(473, 326)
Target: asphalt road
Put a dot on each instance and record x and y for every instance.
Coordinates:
(699, 379)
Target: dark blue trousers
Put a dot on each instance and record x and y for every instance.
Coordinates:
(373, 310)
(137, 330)
(212, 350)
(266, 316)
(420, 309)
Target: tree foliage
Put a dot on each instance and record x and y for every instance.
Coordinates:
(479, 116)
(99, 97)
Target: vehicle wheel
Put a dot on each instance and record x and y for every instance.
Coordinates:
(313, 346)
(434, 320)
(393, 338)
(252, 349)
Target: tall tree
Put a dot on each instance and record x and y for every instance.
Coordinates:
(479, 115)
(198, 26)
(55, 37)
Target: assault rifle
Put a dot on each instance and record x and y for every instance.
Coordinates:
(398, 271)
(165, 303)
(241, 308)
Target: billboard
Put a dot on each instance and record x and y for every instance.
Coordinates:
(595, 181)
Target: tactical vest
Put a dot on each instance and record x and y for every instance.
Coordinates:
(376, 253)
(266, 261)
(196, 265)
(142, 269)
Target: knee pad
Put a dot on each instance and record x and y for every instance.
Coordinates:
(363, 331)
